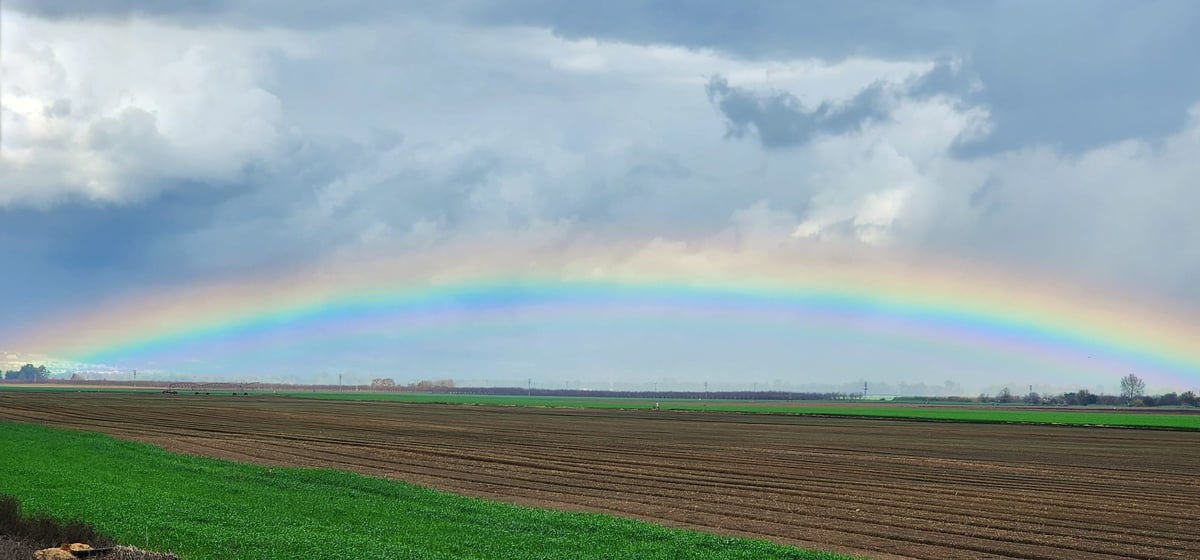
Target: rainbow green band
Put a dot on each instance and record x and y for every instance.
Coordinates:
(1167, 351)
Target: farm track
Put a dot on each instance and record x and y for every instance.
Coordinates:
(884, 489)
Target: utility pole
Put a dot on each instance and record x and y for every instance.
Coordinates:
(705, 390)
(529, 387)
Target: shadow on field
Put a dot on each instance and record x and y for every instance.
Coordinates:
(22, 536)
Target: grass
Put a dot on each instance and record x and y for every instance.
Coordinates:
(204, 508)
(999, 415)
(943, 413)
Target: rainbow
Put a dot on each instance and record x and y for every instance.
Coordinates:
(438, 295)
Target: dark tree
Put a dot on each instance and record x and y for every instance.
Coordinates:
(28, 372)
(1083, 397)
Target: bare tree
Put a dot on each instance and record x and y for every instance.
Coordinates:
(1132, 387)
(383, 383)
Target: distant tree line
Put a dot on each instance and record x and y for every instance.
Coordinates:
(389, 384)
(1133, 393)
(723, 395)
(1083, 397)
(28, 372)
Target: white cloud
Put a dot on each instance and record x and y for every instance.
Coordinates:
(113, 111)
(564, 124)
(385, 137)
(761, 226)
(812, 79)
(517, 129)
(1121, 213)
(885, 180)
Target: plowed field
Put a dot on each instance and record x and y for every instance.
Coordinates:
(884, 489)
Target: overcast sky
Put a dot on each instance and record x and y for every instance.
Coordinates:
(148, 144)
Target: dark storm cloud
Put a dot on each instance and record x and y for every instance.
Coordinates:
(81, 251)
(76, 9)
(753, 28)
(946, 77)
(300, 14)
(1072, 73)
(780, 120)
(1082, 74)
(1076, 74)
(94, 236)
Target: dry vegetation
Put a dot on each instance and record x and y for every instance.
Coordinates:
(23, 535)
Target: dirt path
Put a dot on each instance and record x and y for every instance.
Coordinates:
(884, 489)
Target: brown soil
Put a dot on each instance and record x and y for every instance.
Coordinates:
(885, 489)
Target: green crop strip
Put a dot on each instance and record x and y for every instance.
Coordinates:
(1128, 418)
(204, 508)
(995, 416)
(944, 413)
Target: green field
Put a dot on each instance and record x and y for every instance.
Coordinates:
(210, 509)
(997, 415)
(1177, 419)
(945, 413)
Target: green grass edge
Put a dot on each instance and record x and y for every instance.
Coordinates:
(982, 414)
(1113, 418)
(201, 509)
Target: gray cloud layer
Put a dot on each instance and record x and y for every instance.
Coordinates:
(1074, 74)
(780, 120)
(1056, 137)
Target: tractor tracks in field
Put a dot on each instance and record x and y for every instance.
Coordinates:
(872, 487)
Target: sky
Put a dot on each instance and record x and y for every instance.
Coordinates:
(156, 148)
